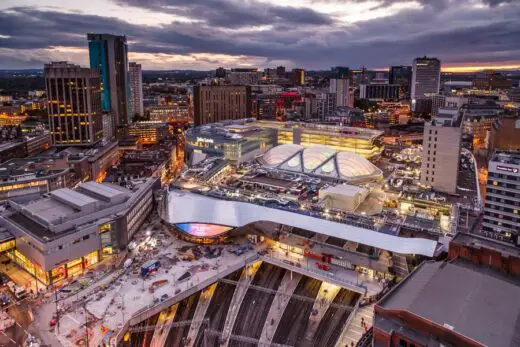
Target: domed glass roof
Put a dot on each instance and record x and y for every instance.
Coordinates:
(279, 154)
(320, 160)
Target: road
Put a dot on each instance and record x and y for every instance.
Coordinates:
(293, 324)
(334, 319)
(256, 304)
(218, 309)
(19, 311)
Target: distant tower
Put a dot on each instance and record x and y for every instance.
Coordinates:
(136, 88)
(426, 77)
(73, 104)
(298, 77)
(109, 54)
(401, 75)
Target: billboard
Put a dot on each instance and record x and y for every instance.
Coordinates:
(203, 230)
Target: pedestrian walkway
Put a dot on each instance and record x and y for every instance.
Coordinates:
(351, 334)
(200, 313)
(238, 296)
(283, 295)
(325, 297)
(163, 326)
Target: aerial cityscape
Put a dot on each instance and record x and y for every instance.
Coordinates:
(324, 173)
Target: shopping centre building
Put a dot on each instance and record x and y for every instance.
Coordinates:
(242, 140)
(67, 230)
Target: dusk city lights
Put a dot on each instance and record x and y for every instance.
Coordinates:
(240, 173)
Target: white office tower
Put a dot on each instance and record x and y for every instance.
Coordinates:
(340, 86)
(136, 89)
(441, 151)
(426, 77)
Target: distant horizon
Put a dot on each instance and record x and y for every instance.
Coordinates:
(446, 69)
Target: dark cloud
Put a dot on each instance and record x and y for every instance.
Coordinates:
(456, 34)
(233, 13)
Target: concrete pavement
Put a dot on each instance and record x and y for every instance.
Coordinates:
(325, 297)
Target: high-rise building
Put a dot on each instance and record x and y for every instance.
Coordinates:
(217, 103)
(340, 86)
(438, 101)
(388, 92)
(73, 104)
(341, 72)
(426, 77)
(401, 75)
(136, 88)
(220, 72)
(502, 210)
(108, 53)
(244, 76)
(441, 151)
(280, 71)
(298, 77)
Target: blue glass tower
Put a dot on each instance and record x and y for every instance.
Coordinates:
(99, 59)
(109, 54)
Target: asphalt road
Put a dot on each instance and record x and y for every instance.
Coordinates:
(19, 310)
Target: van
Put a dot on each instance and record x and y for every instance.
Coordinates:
(18, 292)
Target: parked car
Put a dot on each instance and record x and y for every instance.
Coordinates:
(4, 279)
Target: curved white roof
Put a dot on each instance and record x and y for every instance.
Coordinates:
(351, 165)
(194, 208)
(321, 160)
(315, 156)
(279, 154)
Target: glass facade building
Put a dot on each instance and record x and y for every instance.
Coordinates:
(109, 54)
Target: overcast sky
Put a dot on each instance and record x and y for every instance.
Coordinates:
(313, 34)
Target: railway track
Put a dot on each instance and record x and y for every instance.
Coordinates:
(295, 318)
(255, 307)
(332, 322)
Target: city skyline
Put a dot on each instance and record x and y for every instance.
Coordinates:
(178, 34)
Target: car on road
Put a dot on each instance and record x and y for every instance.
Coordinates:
(4, 299)
(4, 279)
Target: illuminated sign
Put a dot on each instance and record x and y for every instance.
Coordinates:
(204, 140)
(203, 230)
(507, 169)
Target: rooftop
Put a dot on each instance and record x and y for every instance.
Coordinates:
(476, 241)
(33, 167)
(321, 161)
(481, 305)
(512, 157)
(184, 207)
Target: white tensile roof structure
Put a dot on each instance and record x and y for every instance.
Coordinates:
(322, 161)
(184, 207)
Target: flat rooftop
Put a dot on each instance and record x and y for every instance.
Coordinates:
(479, 304)
(477, 241)
(511, 157)
(270, 181)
